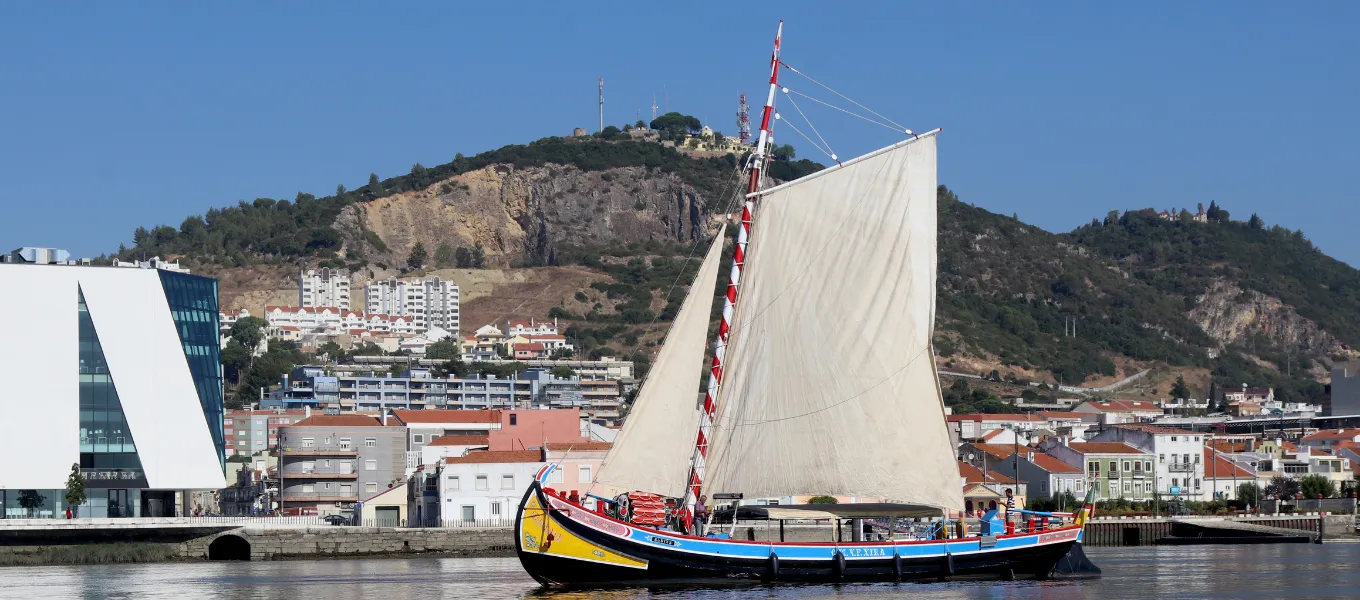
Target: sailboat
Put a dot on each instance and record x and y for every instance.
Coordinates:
(822, 383)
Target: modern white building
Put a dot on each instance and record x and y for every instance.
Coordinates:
(117, 371)
(1179, 468)
(429, 302)
(486, 485)
(323, 288)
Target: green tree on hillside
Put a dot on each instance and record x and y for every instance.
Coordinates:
(676, 125)
(416, 259)
(443, 256)
(375, 188)
(1180, 390)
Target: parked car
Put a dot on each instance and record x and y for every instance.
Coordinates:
(336, 519)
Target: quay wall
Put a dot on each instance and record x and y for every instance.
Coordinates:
(1146, 531)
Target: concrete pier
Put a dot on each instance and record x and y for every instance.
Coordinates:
(1145, 531)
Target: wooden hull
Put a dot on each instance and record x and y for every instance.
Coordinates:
(563, 544)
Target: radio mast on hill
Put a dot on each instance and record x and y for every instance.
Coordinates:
(601, 104)
(743, 120)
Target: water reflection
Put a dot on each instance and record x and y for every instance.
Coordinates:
(1278, 571)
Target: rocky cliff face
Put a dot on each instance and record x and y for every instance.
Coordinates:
(1230, 315)
(520, 215)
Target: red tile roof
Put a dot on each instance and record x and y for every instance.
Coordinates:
(1217, 467)
(533, 347)
(973, 474)
(497, 456)
(461, 440)
(1105, 448)
(338, 421)
(997, 450)
(447, 416)
(1052, 465)
(1333, 434)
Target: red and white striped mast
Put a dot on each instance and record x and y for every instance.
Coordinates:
(757, 165)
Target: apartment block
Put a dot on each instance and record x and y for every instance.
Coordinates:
(334, 461)
(323, 287)
(429, 302)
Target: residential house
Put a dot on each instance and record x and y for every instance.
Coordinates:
(448, 446)
(328, 462)
(1328, 439)
(1180, 453)
(531, 327)
(1048, 477)
(249, 432)
(1223, 476)
(1117, 469)
(424, 427)
(1119, 411)
(529, 351)
(486, 486)
(1259, 395)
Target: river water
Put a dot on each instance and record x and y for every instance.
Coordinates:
(1261, 571)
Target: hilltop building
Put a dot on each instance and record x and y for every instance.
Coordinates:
(119, 372)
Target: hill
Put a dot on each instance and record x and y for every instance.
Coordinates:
(597, 232)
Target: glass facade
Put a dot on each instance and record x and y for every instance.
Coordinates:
(193, 305)
(108, 454)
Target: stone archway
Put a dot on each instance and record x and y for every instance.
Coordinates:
(229, 547)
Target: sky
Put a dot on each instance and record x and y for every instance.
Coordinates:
(119, 115)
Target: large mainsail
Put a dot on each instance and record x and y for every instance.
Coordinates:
(652, 452)
(830, 383)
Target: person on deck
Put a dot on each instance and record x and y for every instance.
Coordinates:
(1010, 503)
(700, 514)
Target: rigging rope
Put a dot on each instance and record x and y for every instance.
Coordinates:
(847, 98)
(777, 117)
(829, 152)
(853, 114)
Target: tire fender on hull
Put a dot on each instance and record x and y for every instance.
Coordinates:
(838, 565)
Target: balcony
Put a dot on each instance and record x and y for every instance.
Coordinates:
(319, 497)
(317, 452)
(1181, 467)
(316, 475)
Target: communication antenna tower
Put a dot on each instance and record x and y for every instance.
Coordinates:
(654, 107)
(601, 104)
(743, 120)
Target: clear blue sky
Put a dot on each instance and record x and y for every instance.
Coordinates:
(115, 115)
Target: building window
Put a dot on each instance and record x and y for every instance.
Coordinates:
(1127, 487)
(469, 513)
(583, 474)
(1127, 465)
(1175, 482)
(557, 476)
(308, 442)
(346, 489)
(370, 442)
(452, 484)
(1196, 459)
(1114, 467)
(496, 509)
(1161, 458)
(418, 438)
(308, 466)
(328, 440)
(1147, 466)
(370, 465)
(481, 483)
(1093, 467)
(1173, 438)
(507, 482)
(514, 419)
(326, 462)
(371, 486)
(344, 443)
(308, 488)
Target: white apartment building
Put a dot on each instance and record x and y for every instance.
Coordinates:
(486, 485)
(532, 327)
(324, 287)
(1180, 454)
(428, 302)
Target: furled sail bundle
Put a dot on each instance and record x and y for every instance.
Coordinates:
(829, 384)
(652, 452)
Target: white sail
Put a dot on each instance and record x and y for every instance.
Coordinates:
(652, 452)
(829, 380)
